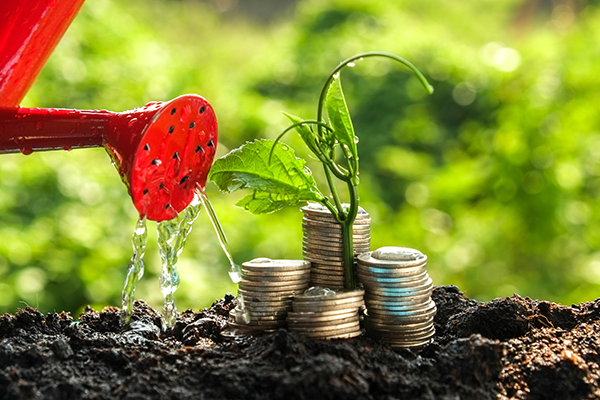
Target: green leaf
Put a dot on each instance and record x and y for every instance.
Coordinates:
(339, 117)
(304, 131)
(285, 181)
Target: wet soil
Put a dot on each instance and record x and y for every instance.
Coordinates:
(509, 348)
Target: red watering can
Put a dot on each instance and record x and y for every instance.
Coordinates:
(162, 150)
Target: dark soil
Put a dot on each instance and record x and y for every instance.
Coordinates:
(508, 348)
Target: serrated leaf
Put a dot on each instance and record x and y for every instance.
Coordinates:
(339, 117)
(284, 181)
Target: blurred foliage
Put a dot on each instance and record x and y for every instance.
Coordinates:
(495, 176)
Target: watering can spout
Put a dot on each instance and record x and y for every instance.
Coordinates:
(162, 150)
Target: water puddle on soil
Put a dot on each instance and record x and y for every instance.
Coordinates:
(172, 235)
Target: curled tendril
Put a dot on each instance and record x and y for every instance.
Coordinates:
(335, 74)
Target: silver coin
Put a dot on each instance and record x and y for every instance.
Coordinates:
(391, 277)
(251, 295)
(327, 307)
(374, 324)
(341, 334)
(399, 320)
(409, 345)
(424, 295)
(316, 258)
(420, 308)
(416, 302)
(274, 270)
(403, 288)
(334, 230)
(267, 281)
(367, 259)
(391, 309)
(328, 218)
(320, 235)
(323, 253)
(391, 283)
(270, 286)
(268, 310)
(311, 227)
(356, 294)
(274, 274)
(327, 280)
(339, 304)
(325, 213)
(318, 208)
(328, 335)
(318, 247)
(238, 317)
(270, 281)
(392, 274)
(299, 323)
(292, 320)
(263, 317)
(256, 321)
(327, 264)
(266, 263)
(263, 308)
(425, 311)
(404, 335)
(327, 273)
(322, 314)
(398, 290)
(332, 327)
(327, 240)
(383, 329)
(314, 220)
(329, 283)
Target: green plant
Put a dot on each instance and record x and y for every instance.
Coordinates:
(278, 178)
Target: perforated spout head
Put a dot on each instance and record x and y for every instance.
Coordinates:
(163, 151)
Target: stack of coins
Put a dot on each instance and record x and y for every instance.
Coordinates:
(398, 296)
(322, 244)
(321, 313)
(265, 294)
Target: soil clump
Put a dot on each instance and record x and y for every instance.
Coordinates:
(508, 348)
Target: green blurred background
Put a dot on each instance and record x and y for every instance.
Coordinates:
(496, 176)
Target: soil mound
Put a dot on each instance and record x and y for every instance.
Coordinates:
(509, 348)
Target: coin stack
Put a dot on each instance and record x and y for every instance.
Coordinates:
(322, 313)
(398, 296)
(322, 244)
(265, 294)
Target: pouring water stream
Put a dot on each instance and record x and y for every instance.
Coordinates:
(172, 235)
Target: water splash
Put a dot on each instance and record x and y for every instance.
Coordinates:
(171, 239)
(136, 268)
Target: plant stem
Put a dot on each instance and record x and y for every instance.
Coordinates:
(348, 237)
(336, 198)
(348, 242)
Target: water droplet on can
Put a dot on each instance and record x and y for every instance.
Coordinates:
(39, 126)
